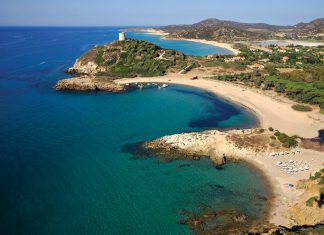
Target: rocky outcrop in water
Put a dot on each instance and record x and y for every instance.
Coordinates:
(227, 221)
(219, 146)
(87, 83)
(300, 229)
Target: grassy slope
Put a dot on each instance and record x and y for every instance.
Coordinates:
(133, 58)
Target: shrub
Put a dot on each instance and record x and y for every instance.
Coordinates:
(310, 201)
(267, 85)
(273, 137)
(99, 57)
(280, 87)
(322, 180)
(271, 69)
(290, 142)
(270, 129)
(315, 176)
(301, 108)
(322, 111)
(257, 83)
(286, 140)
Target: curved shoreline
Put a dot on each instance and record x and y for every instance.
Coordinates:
(270, 112)
(164, 36)
(265, 108)
(223, 45)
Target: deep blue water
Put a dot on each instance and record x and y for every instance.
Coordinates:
(187, 47)
(62, 170)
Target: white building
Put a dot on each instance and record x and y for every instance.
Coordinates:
(122, 36)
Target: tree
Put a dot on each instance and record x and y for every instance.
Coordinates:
(280, 87)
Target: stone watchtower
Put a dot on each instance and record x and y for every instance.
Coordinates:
(122, 36)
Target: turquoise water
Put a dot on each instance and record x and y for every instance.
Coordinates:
(62, 168)
(187, 47)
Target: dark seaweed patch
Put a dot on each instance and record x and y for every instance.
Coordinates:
(218, 110)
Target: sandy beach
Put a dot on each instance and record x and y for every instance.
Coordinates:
(155, 32)
(163, 35)
(271, 113)
(227, 46)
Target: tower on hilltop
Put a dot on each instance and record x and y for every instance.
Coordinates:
(122, 36)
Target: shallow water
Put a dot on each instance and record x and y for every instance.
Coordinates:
(187, 47)
(62, 170)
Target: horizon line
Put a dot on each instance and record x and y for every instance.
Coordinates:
(81, 26)
(157, 25)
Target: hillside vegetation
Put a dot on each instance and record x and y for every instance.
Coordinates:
(229, 31)
(130, 58)
(305, 86)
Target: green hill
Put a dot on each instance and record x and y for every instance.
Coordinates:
(129, 58)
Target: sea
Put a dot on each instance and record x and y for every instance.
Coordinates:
(62, 165)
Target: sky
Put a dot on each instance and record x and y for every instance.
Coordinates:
(155, 12)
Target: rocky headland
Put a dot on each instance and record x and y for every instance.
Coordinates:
(90, 83)
(220, 146)
(99, 67)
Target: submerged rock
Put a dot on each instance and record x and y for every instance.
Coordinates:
(227, 221)
(303, 229)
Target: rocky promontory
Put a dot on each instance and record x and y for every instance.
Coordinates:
(220, 146)
(99, 67)
(87, 83)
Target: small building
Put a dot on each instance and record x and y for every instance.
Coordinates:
(267, 50)
(234, 59)
(264, 60)
(122, 36)
(212, 57)
(261, 48)
(281, 50)
(256, 66)
(285, 59)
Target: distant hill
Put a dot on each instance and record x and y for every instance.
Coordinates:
(313, 27)
(228, 31)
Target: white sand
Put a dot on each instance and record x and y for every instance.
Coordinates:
(155, 32)
(227, 46)
(271, 112)
(286, 197)
(163, 35)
